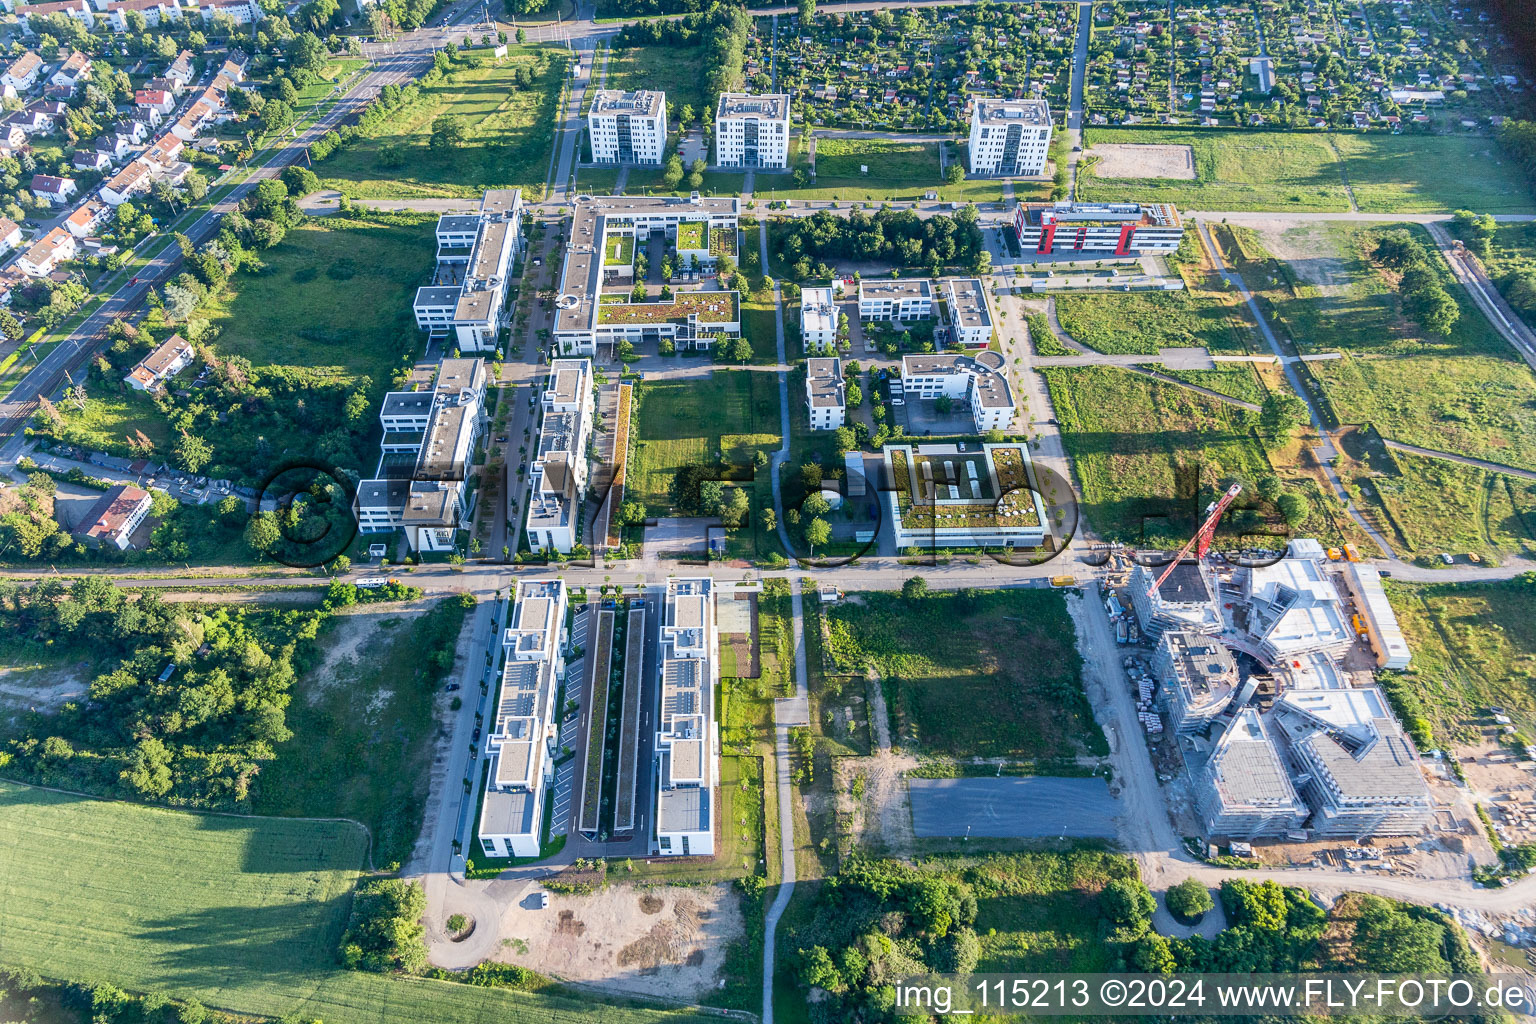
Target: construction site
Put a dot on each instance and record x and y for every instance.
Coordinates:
(1255, 681)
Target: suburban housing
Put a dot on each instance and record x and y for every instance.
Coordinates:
(585, 316)
(114, 517)
(475, 253)
(979, 381)
(824, 393)
(1009, 137)
(168, 359)
(1068, 230)
(752, 131)
(522, 739)
(628, 127)
(557, 483)
(421, 484)
(687, 742)
(963, 496)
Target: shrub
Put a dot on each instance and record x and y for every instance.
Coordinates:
(1189, 900)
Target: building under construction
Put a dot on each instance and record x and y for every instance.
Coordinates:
(1245, 790)
(1184, 600)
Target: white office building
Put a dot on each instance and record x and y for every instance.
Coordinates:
(1009, 137)
(979, 382)
(752, 131)
(969, 317)
(557, 485)
(475, 254)
(687, 736)
(628, 127)
(522, 740)
(1292, 608)
(818, 319)
(899, 298)
(825, 393)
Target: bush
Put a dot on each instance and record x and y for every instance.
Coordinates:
(1189, 901)
(385, 932)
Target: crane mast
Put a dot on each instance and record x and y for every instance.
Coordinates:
(1200, 543)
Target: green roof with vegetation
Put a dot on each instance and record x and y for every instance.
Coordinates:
(711, 307)
(1012, 507)
(693, 234)
(619, 251)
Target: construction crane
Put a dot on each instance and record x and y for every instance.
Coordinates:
(1201, 541)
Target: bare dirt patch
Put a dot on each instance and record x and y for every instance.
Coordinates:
(1123, 160)
(1311, 251)
(358, 631)
(878, 817)
(42, 687)
(668, 942)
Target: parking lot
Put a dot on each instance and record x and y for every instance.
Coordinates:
(1010, 807)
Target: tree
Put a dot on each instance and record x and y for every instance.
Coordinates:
(631, 513)
(1153, 955)
(262, 533)
(522, 37)
(769, 521)
(276, 115)
(817, 532)
(915, 588)
(815, 504)
(448, 132)
(1189, 900)
(711, 497)
(1398, 250)
(1295, 508)
(1281, 415)
(1270, 488)
(843, 437)
(307, 51)
(1128, 903)
(807, 12)
(1260, 905)
(955, 173)
(672, 175)
(150, 773)
(854, 395)
(339, 566)
(733, 514)
(193, 452)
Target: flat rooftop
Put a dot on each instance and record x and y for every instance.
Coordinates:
(1246, 767)
(646, 102)
(1184, 585)
(767, 106)
(995, 111)
(1160, 215)
(967, 302)
(939, 486)
(988, 381)
(818, 312)
(896, 288)
(824, 382)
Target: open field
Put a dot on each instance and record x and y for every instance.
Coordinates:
(1264, 170)
(1432, 505)
(244, 914)
(1472, 648)
(889, 161)
(334, 298)
(1513, 252)
(675, 70)
(1143, 160)
(1149, 456)
(509, 134)
(1010, 651)
(109, 419)
(1143, 322)
(694, 422)
(363, 740)
(1468, 392)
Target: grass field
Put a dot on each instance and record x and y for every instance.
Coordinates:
(1143, 322)
(333, 72)
(675, 70)
(889, 161)
(1260, 170)
(1009, 651)
(244, 914)
(903, 171)
(1513, 251)
(108, 419)
(510, 131)
(334, 296)
(362, 741)
(1466, 393)
(692, 422)
(1472, 647)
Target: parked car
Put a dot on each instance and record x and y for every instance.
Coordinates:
(451, 687)
(476, 737)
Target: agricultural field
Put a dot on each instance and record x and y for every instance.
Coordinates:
(1467, 392)
(242, 913)
(509, 132)
(362, 740)
(731, 415)
(1472, 648)
(1427, 506)
(946, 654)
(334, 297)
(1302, 171)
(913, 68)
(1149, 455)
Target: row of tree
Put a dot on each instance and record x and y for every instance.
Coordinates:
(1420, 286)
(895, 237)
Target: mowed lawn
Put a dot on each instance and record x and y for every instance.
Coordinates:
(1472, 647)
(691, 422)
(1466, 393)
(510, 131)
(1263, 170)
(898, 170)
(888, 160)
(335, 297)
(245, 914)
(1011, 652)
